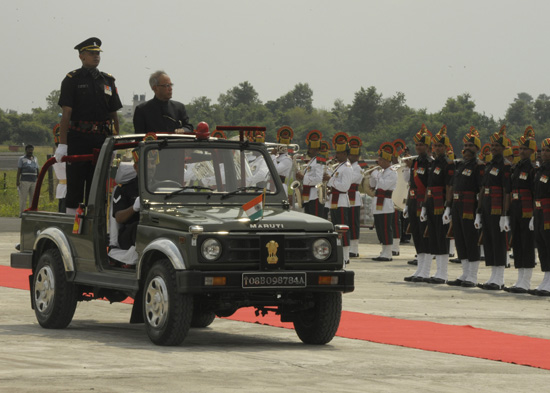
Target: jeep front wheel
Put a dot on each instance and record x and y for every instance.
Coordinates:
(54, 298)
(166, 312)
(319, 324)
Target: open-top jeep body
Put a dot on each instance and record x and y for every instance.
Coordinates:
(198, 254)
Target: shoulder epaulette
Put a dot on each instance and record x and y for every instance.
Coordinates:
(70, 74)
(108, 75)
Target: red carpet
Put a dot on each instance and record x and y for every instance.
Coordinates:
(428, 336)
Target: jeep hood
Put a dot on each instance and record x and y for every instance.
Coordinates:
(233, 218)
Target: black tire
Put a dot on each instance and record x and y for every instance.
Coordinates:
(319, 324)
(167, 313)
(54, 298)
(202, 319)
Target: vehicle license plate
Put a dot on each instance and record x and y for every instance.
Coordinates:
(274, 280)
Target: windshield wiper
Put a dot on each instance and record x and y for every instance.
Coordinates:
(185, 188)
(242, 189)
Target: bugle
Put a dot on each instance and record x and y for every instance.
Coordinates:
(295, 187)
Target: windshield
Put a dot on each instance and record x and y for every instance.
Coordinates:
(215, 170)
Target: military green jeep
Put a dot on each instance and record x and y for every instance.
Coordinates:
(199, 253)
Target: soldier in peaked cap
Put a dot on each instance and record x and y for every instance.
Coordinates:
(355, 201)
(420, 167)
(384, 182)
(312, 175)
(493, 211)
(461, 207)
(438, 187)
(521, 212)
(89, 101)
(339, 182)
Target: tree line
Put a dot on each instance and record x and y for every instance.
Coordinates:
(371, 116)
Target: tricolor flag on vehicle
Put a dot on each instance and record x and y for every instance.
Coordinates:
(255, 208)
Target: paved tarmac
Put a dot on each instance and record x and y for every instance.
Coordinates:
(101, 352)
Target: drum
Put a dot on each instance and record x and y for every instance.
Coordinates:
(399, 196)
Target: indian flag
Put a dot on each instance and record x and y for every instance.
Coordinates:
(255, 208)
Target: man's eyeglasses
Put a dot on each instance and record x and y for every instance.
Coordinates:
(167, 85)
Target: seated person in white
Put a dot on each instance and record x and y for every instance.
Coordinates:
(124, 215)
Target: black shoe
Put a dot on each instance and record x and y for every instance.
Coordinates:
(451, 255)
(542, 292)
(353, 255)
(534, 292)
(409, 278)
(468, 284)
(516, 290)
(455, 283)
(421, 279)
(436, 280)
(491, 286)
(395, 253)
(405, 241)
(381, 259)
(455, 260)
(413, 262)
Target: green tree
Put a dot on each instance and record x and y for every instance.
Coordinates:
(362, 113)
(243, 94)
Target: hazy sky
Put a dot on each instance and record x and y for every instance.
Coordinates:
(428, 49)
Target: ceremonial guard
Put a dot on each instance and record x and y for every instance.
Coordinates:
(439, 186)
(492, 216)
(541, 222)
(462, 205)
(283, 162)
(420, 167)
(355, 201)
(312, 175)
(521, 212)
(383, 181)
(339, 182)
(89, 102)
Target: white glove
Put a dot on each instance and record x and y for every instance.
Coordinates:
(406, 212)
(531, 224)
(447, 216)
(477, 222)
(137, 205)
(504, 224)
(60, 152)
(423, 215)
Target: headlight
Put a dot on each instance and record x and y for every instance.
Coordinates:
(211, 249)
(321, 249)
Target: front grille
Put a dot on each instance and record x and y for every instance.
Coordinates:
(246, 249)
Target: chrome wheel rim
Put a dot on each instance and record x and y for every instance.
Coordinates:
(44, 289)
(156, 302)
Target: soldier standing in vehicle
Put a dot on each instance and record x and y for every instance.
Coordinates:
(89, 101)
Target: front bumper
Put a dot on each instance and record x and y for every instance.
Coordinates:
(201, 282)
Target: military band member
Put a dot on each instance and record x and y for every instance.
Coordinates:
(283, 162)
(355, 201)
(258, 166)
(400, 150)
(312, 175)
(541, 222)
(439, 186)
(324, 151)
(521, 212)
(339, 182)
(384, 182)
(417, 191)
(493, 213)
(463, 204)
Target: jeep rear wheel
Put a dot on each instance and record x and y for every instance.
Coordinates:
(167, 313)
(54, 298)
(319, 324)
